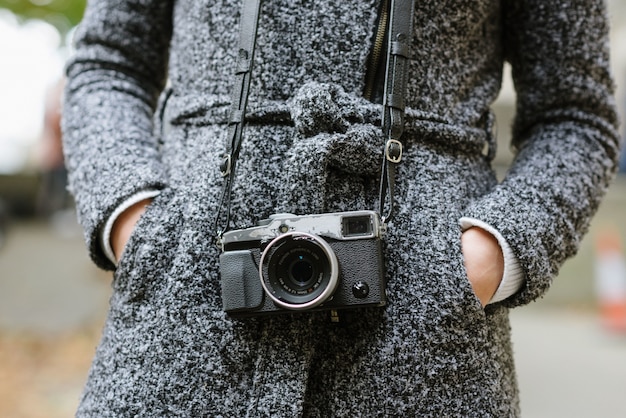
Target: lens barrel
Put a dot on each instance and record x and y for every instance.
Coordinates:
(299, 271)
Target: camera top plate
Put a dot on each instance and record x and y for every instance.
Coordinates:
(342, 226)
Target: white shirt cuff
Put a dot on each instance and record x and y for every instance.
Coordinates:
(513, 276)
(105, 234)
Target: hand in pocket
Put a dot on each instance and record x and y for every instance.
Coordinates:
(484, 262)
(124, 226)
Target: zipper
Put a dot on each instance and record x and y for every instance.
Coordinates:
(377, 49)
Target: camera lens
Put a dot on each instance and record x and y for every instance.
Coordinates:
(298, 271)
(301, 270)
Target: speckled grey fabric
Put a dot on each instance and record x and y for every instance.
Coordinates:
(312, 144)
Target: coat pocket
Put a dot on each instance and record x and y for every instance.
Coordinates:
(150, 247)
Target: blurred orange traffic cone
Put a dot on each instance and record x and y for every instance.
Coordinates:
(610, 271)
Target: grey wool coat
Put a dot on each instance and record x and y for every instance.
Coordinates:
(312, 144)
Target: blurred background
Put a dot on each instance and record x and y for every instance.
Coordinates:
(570, 346)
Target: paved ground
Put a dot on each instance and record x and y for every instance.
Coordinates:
(52, 301)
(568, 366)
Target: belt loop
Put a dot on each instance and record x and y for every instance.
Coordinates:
(163, 118)
(491, 130)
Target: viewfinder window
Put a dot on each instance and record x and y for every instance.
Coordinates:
(357, 226)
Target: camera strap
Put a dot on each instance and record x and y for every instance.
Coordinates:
(248, 28)
(396, 77)
(400, 27)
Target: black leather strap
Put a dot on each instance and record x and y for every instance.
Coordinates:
(396, 76)
(247, 40)
(400, 27)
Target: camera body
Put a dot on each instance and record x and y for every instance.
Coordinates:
(300, 263)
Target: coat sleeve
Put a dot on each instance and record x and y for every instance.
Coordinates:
(565, 135)
(114, 79)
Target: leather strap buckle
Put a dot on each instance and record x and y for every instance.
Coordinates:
(393, 151)
(225, 165)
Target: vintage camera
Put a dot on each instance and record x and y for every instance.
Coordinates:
(300, 263)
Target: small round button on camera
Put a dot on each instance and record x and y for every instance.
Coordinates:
(360, 290)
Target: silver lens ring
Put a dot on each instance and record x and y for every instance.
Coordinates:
(331, 258)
